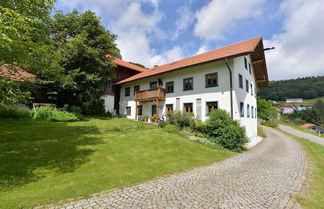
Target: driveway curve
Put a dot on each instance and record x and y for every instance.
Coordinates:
(263, 177)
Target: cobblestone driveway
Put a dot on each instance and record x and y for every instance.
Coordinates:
(264, 177)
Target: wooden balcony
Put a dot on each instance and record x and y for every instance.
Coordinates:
(157, 94)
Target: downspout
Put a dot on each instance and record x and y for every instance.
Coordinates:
(231, 87)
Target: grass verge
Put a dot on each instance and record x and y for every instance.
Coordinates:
(261, 132)
(301, 129)
(315, 152)
(44, 162)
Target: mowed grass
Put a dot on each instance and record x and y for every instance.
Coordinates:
(46, 162)
(315, 152)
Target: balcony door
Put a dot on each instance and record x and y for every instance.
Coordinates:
(153, 109)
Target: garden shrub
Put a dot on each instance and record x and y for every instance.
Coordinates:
(183, 119)
(53, 114)
(8, 111)
(95, 108)
(272, 123)
(221, 129)
(76, 111)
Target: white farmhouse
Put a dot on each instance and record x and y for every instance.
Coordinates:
(224, 78)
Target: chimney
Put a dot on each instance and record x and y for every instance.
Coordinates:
(155, 66)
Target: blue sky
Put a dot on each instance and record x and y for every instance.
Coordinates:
(161, 31)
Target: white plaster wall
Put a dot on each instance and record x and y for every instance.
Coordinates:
(221, 93)
(109, 103)
(241, 95)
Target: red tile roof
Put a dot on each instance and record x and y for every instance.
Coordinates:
(307, 125)
(238, 48)
(120, 62)
(15, 73)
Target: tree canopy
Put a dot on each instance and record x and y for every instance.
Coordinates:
(306, 88)
(266, 110)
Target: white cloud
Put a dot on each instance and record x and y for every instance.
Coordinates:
(202, 49)
(186, 18)
(136, 29)
(220, 17)
(300, 47)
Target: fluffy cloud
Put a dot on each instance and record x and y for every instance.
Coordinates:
(186, 18)
(300, 47)
(219, 17)
(135, 28)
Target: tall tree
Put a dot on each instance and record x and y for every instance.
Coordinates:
(266, 110)
(24, 37)
(82, 43)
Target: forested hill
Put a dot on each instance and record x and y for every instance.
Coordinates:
(306, 88)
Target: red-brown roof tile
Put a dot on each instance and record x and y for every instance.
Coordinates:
(221, 53)
(307, 125)
(15, 73)
(121, 62)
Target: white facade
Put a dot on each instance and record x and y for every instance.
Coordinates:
(200, 94)
(109, 103)
(294, 100)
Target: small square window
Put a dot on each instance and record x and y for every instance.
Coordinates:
(188, 107)
(169, 107)
(153, 85)
(169, 87)
(211, 106)
(248, 110)
(247, 86)
(241, 109)
(245, 63)
(128, 110)
(240, 81)
(127, 91)
(188, 84)
(211, 80)
(136, 89)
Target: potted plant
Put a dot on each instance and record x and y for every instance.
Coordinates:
(154, 119)
(145, 118)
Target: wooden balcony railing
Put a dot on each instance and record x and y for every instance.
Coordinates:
(150, 95)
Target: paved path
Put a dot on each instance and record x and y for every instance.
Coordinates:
(264, 177)
(301, 134)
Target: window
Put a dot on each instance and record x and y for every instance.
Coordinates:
(136, 88)
(247, 86)
(255, 112)
(211, 80)
(169, 107)
(251, 89)
(248, 110)
(127, 91)
(153, 85)
(245, 63)
(187, 84)
(128, 110)
(241, 109)
(139, 109)
(169, 87)
(240, 81)
(250, 69)
(188, 107)
(252, 112)
(211, 106)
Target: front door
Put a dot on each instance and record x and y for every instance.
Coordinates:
(153, 109)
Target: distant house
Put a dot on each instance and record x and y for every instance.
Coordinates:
(286, 108)
(294, 100)
(313, 127)
(303, 107)
(15, 73)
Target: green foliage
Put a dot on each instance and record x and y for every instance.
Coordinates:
(81, 43)
(12, 92)
(261, 132)
(138, 64)
(53, 114)
(95, 108)
(223, 130)
(272, 123)
(12, 112)
(266, 110)
(306, 88)
(305, 116)
(318, 107)
(181, 119)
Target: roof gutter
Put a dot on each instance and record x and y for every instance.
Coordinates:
(209, 61)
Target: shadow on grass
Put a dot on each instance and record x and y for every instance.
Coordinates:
(31, 150)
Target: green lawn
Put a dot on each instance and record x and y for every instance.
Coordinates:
(45, 162)
(315, 152)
